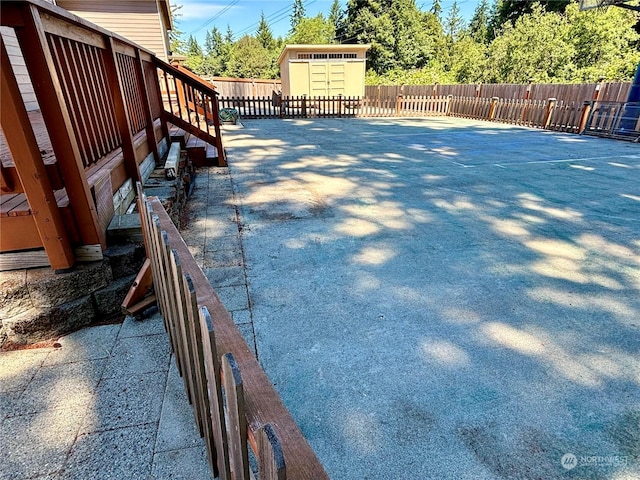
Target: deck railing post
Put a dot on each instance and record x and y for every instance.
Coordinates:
(31, 170)
(122, 118)
(586, 111)
(35, 49)
(551, 105)
(148, 115)
(493, 107)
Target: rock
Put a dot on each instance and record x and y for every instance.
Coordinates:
(109, 299)
(14, 294)
(126, 259)
(44, 323)
(48, 289)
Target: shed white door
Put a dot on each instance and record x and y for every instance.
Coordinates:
(326, 79)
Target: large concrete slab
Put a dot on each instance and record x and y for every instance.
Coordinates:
(446, 299)
(104, 404)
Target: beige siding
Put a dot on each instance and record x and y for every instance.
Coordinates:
(19, 68)
(137, 20)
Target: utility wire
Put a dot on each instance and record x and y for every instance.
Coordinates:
(271, 19)
(216, 16)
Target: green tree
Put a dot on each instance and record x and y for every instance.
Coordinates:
(468, 62)
(511, 10)
(297, 14)
(176, 44)
(249, 59)
(336, 17)
(417, 35)
(606, 45)
(536, 47)
(454, 23)
(213, 63)
(313, 31)
(195, 59)
(436, 9)
(479, 24)
(264, 35)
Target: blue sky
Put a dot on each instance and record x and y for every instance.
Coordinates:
(243, 16)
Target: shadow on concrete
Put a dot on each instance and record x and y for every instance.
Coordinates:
(442, 298)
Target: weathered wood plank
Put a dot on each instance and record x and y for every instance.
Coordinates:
(236, 419)
(211, 363)
(271, 463)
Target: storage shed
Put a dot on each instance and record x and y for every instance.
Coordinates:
(323, 70)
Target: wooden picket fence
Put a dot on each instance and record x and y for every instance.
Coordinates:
(234, 404)
(550, 114)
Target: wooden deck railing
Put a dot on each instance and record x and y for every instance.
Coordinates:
(100, 99)
(191, 104)
(234, 404)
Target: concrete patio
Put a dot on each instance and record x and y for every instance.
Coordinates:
(106, 403)
(433, 299)
(446, 299)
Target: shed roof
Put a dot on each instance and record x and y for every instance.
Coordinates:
(324, 48)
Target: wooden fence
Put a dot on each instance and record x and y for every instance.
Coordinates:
(234, 403)
(245, 87)
(605, 91)
(550, 114)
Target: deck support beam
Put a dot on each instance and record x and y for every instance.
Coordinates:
(31, 170)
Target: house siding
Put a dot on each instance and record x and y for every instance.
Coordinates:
(138, 21)
(19, 68)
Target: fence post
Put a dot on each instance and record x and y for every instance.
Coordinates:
(551, 104)
(339, 105)
(596, 91)
(586, 110)
(304, 105)
(478, 90)
(492, 108)
(399, 104)
(527, 93)
(447, 110)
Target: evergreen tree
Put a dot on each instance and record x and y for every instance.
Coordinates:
(436, 9)
(264, 35)
(195, 59)
(176, 44)
(313, 31)
(297, 14)
(453, 24)
(479, 24)
(336, 17)
(213, 53)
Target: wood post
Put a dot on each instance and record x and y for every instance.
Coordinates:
(447, 111)
(492, 108)
(551, 105)
(122, 118)
(54, 110)
(304, 106)
(148, 115)
(31, 170)
(399, 104)
(586, 111)
(340, 105)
